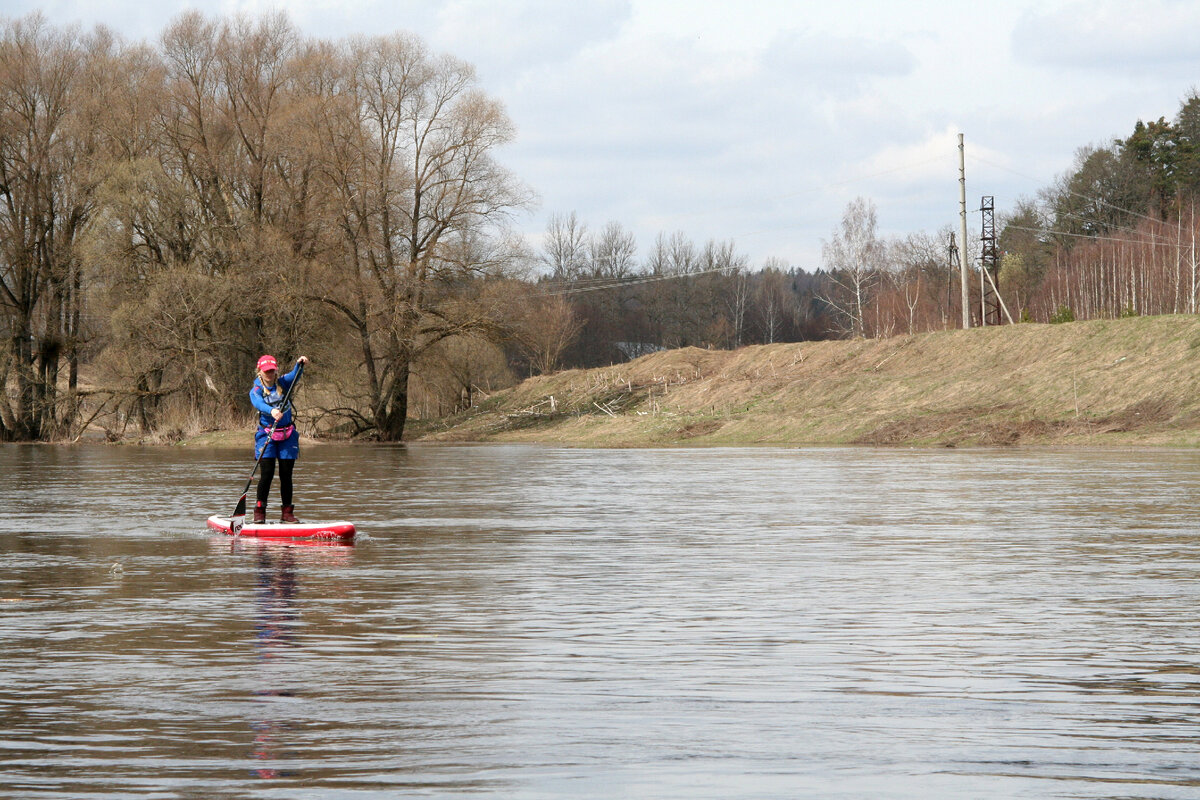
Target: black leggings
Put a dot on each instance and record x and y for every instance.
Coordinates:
(267, 465)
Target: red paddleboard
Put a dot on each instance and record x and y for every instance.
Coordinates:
(287, 530)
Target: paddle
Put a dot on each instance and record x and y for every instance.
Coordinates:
(239, 513)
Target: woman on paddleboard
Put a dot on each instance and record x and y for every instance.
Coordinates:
(282, 442)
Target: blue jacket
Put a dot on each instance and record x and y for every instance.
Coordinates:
(265, 399)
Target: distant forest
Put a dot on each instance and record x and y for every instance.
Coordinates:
(171, 210)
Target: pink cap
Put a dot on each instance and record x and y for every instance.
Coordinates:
(267, 362)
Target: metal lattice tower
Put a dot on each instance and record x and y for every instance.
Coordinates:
(989, 262)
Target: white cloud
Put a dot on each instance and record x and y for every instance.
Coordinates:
(839, 61)
(1111, 35)
(522, 34)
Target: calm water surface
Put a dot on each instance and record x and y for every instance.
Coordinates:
(534, 622)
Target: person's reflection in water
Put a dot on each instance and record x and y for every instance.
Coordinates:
(274, 630)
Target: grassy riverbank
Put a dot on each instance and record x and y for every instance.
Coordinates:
(1106, 382)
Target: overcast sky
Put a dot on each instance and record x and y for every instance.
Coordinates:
(759, 120)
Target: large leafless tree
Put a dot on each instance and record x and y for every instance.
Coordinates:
(420, 203)
(49, 168)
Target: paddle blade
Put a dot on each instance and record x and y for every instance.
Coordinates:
(238, 518)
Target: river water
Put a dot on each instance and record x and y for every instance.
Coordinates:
(538, 622)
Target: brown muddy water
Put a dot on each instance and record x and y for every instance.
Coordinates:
(538, 622)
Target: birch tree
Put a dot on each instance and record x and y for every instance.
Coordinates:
(854, 258)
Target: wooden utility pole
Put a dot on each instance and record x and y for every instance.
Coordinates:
(962, 232)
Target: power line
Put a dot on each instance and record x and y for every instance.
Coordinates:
(1095, 238)
(616, 284)
(1089, 198)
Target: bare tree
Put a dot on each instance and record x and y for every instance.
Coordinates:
(547, 326)
(772, 300)
(612, 252)
(452, 373)
(921, 279)
(854, 257)
(418, 194)
(717, 299)
(736, 300)
(48, 173)
(565, 248)
(199, 247)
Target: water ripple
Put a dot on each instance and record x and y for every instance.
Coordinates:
(532, 622)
